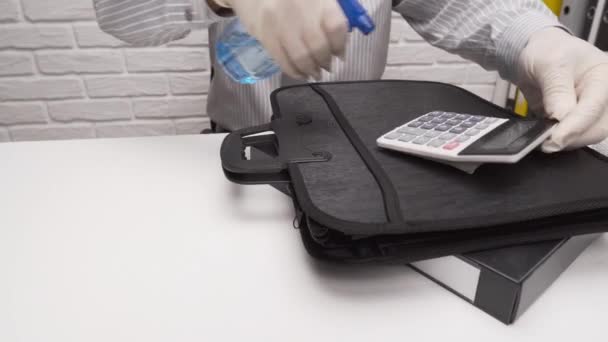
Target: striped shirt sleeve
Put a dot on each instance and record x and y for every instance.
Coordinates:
(152, 22)
(490, 33)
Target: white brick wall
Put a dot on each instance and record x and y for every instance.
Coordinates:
(62, 78)
(77, 62)
(127, 86)
(9, 12)
(16, 64)
(89, 110)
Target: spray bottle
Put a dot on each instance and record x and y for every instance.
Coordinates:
(245, 60)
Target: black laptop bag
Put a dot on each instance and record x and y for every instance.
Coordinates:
(357, 202)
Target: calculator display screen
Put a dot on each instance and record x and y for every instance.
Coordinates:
(509, 138)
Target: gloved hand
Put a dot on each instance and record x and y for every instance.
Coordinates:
(300, 35)
(566, 78)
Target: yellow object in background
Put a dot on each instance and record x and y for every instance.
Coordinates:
(521, 104)
(555, 6)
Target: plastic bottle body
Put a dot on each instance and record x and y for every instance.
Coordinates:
(242, 56)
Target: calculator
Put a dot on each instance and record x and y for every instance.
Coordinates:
(458, 137)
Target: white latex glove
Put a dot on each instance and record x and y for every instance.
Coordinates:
(300, 35)
(566, 78)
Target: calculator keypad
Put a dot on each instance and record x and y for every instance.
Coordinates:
(407, 137)
(443, 131)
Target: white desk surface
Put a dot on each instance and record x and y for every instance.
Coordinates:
(143, 239)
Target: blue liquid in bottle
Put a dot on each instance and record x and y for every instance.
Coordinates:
(245, 60)
(242, 56)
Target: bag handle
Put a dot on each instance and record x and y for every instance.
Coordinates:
(243, 171)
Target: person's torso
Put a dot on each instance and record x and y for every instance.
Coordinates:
(233, 106)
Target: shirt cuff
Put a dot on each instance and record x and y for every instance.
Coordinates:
(204, 15)
(515, 38)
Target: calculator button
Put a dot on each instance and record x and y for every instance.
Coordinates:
(442, 128)
(434, 114)
(407, 138)
(411, 130)
(463, 138)
(415, 124)
(447, 136)
(438, 120)
(428, 126)
(462, 116)
(476, 118)
(436, 143)
(392, 136)
(425, 118)
(453, 122)
(448, 115)
(432, 134)
(473, 132)
(452, 145)
(467, 124)
(482, 126)
(491, 120)
(458, 130)
(421, 141)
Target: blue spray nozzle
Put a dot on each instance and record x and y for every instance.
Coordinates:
(357, 16)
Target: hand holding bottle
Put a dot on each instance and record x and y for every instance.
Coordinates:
(300, 36)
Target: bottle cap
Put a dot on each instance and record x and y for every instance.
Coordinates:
(357, 16)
